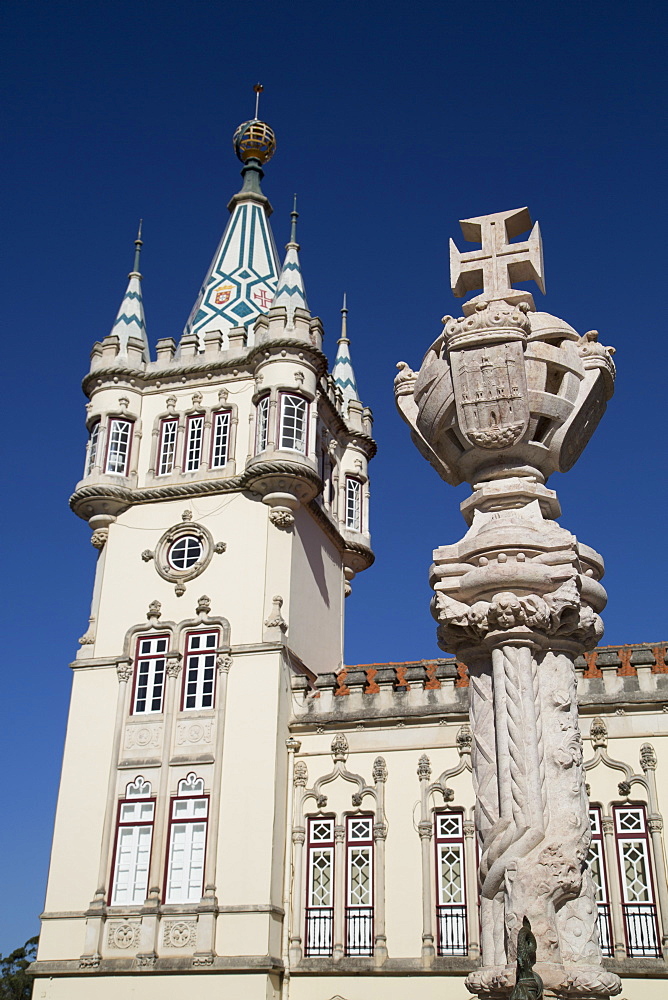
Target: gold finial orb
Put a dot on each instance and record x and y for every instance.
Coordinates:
(254, 140)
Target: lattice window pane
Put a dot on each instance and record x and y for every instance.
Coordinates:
(359, 877)
(451, 889)
(353, 504)
(294, 412)
(635, 871)
(150, 679)
(449, 825)
(119, 442)
(322, 829)
(194, 443)
(221, 437)
(262, 429)
(321, 877)
(630, 821)
(596, 870)
(200, 672)
(167, 447)
(359, 829)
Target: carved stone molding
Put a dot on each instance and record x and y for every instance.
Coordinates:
(123, 934)
(193, 733)
(124, 669)
(143, 737)
(275, 618)
(179, 933)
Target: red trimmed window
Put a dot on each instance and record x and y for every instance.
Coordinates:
(353, 504)
(635, 869)
(167, 450)
(118, 447)
(132, 851)
(597, 870)
(220, 439)
(194, 440)
(91, 453)
(150, 674)
(320, 887)
(450, 884)
(199, 679)
(187, 842)
(262, 424)
(359, 885)
(293, 422)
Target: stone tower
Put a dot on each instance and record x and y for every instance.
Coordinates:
(226, 486)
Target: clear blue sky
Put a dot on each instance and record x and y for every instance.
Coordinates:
(394, 120)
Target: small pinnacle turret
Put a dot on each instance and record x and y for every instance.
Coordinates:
(291, 293)
(130, 319)
(342, 372)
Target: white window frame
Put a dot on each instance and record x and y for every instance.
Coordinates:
(358, 920)
(353, 503)
(452, 931)
(262, 424)
(132, 851)
(194, 442)
(293, 423)
(119, 437)
(93, 444)
(220, 438)
(169, 429)
(199, 675)
(187, 834)
(320, 916)
(151, 667)
(640, 915)
(597, 854)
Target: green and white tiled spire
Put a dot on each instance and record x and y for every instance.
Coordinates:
(130, 319)
(241, 281)
(342, 372)
(290, 292)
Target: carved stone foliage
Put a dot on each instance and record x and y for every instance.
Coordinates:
(193, 733)
(123, 934)
(647, 757)
(179, 933)
(598, 734)
(275, 617)
(143, 737)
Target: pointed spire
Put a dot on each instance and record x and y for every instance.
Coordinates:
(342, 372)
(130, 319)
(291, 293)
(241, 281)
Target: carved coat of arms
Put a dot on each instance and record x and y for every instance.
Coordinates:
(491, 393)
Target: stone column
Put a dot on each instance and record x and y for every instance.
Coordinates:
(616, 916)
(339, 929)
(505, 397)
(379, 838)
(293, 746)
(298, 839)
(655, 823)
(472, 923)
(425, 831)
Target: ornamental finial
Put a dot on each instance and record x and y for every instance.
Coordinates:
(344, 319)
(138, 245)
(255, 140)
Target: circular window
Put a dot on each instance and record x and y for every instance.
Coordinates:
(185, 552)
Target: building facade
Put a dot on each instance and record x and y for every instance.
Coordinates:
(323, 845)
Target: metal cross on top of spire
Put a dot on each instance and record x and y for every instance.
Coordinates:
(258, 88)
(499, 262)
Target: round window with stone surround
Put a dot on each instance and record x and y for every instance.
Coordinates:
(183, 552)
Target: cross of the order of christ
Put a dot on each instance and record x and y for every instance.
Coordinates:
(499, 263)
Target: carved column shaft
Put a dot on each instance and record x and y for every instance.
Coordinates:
(339, 892)
(609, 847)
(425, 831)
(470, 861)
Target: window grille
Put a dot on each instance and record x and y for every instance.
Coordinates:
(294, 413)
(262, 426)
(187, 843)
(596, 864)
(640, 918)
(451, 891)
(150, 674)
(320, 886)
(359, 903)
(200, 673)
(119, 446)
(93, 443)
(167, 454)
(194, 436)
(220, 440)
(132, 853)
(353, 504)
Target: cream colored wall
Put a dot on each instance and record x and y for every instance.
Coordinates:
(159, 987)
(80, 813)
(316, 597)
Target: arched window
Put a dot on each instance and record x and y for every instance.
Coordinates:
(293, 422)
(353, 504)
(194, 442)
(635, 868)
(220, 439)
(450, 884)
(118, 447)
(132, 849)
(262, 424)
(187, 842)
(167, 448)
(93, 442)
